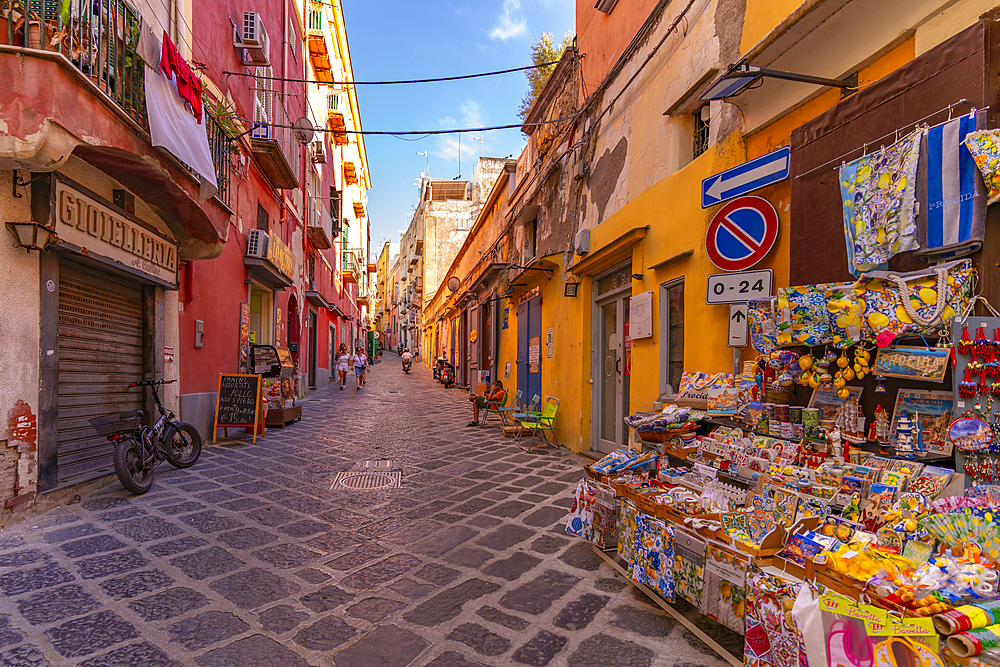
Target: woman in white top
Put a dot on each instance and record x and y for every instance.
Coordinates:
(343, 363)
(360, 364)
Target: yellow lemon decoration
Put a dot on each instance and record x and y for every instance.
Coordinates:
(814, 382)
(806, 362)
(902, 315)
(947, 314)
(785, 338)
(839, 383)
(848, 374)
(926, 282)
(842, 360)
(878, 321)
(916, 304)
(844, 393)
(928, 296)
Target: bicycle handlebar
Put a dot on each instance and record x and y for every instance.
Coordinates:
(150, 383)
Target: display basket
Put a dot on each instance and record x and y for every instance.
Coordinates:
(664, 436)
(127, 421)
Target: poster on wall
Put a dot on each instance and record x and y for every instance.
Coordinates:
(534, 353)
(549, 342)
(934, 410)
(244, 334)
(506, 371)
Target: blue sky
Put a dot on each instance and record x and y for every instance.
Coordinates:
(396, 39)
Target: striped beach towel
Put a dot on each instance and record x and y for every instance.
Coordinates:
(952, 216)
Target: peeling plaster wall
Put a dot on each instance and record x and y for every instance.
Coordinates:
(19, 331)
(636, 145)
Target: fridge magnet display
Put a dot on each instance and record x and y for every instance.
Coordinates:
(934, 410)
(913, 363)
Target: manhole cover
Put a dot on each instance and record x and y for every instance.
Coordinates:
(377, 463)
(367, 481)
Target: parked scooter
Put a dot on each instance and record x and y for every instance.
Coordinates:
(446, 375)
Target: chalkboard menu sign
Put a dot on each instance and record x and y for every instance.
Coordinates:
(238, 402)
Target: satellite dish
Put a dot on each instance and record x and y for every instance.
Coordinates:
(304, 130)
(454, 283)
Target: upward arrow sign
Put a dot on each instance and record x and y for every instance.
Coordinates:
(739, 316)
(753, 175)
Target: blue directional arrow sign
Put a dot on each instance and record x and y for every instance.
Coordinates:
(753, 175)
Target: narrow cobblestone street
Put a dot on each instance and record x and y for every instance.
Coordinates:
(249, 559)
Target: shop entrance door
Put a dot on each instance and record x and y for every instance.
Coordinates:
(612, 367)
(529, 350)
(313, 348)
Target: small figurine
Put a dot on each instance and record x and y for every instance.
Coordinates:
(836, 446)
(853, 510)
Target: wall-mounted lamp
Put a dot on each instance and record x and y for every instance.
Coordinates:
(742, 75)
(571, 289)
(31, 235)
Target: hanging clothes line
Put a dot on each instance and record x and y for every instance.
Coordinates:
(896, 133)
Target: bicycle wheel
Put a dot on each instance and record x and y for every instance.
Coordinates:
(132, 472)
(182, 444)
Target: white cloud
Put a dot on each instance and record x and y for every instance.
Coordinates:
(510, 23)
(448, 149)
(471, 114)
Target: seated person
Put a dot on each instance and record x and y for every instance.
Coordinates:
(482, 401)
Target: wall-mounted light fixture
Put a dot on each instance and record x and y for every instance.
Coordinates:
(571, 289)
(742, 75)
(31, 235)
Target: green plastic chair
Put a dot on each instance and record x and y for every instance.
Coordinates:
(494, 408)
(507, 411)
(541, 424)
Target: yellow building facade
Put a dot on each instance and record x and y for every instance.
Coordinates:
(608, 205)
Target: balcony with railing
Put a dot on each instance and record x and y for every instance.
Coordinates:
(99, 39)
(351, 267)
(85, 52)
(319, 47)
(318, 226)
(336, 115)
(274, 144)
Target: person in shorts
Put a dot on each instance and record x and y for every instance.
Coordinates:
(343, 364)
(360, 363)
(481, 401)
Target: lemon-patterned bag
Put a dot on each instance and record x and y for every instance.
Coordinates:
(763, 324)
(846, 319)
(921, 302)
(803, 318)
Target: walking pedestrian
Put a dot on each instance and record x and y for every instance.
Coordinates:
(360, 364)
(343, 362)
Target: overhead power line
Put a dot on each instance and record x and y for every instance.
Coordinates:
(457, 130)
(391, 83)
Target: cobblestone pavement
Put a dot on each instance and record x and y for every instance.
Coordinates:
(249, 559)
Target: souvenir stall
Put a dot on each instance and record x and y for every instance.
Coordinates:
(835, 502)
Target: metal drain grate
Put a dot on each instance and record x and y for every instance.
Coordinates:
(377, 463)
(367, 481)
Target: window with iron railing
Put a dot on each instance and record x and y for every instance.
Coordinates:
(315, 19)
(336, 201)
(219, 143)
(312, 272)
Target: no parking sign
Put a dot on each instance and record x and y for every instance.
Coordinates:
(742, 233)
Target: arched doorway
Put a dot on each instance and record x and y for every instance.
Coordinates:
(293, 329)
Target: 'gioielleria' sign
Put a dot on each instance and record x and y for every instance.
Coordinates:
(87, 222)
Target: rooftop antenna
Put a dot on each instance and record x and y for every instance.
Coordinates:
(482, 145)
(428, 161)
(459, 157)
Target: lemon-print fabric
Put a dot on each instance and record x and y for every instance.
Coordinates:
(881, 304)
(879, 191)
(762, 322)
(985, 148)
(803, 318)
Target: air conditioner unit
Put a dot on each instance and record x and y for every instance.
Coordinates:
(319, 152)
(253, 38)
(257, 243)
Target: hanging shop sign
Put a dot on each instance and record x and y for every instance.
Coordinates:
(742, 233)
(282, 258)
(744, 179)
(93, 226)
(739, 287)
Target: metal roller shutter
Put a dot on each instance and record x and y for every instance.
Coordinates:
(100, 353)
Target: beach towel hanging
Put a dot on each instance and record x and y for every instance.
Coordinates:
(951, 220)
(879, 195)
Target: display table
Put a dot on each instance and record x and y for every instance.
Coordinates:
(282, 417)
